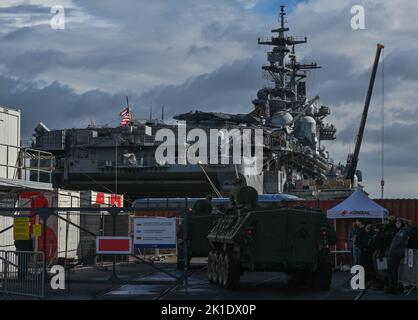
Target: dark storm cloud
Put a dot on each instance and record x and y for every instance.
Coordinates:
(57, 105)
(190, 55)
(31, 63)
(339, 86)
(222, 31)
(402, 63)
(17, 34)
(339, 83)
(397, 134)
(137, 45)
(392, 159)
(227, 89)
(195, 50)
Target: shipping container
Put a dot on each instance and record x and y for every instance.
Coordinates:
(9, 142)
(94, 221)
(62, 238)
(68, 235)
(6, 237)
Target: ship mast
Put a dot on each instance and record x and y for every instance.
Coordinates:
(286, 76)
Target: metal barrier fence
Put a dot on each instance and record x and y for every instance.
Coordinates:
(69, 243)
(22, 273)
(26, 164)
(408, 269)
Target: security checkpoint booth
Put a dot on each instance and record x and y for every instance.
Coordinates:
(357, 206)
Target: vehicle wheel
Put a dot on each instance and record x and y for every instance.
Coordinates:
(231, 272)
(210, 267)
(216, 267)
(221, 268)
(321, 279)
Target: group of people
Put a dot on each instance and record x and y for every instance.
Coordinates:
(380, 248)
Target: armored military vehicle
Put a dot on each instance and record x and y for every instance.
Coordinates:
(201, 220)
(294, 240)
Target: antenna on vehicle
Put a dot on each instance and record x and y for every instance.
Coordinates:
(219, 195)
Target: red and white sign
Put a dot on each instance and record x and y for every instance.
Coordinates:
(106, 199)
(113, 245)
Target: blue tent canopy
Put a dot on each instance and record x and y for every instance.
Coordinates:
(357, 205)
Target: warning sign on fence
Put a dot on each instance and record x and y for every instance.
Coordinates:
(37, 230)
(21, 229)
(155, 233)
(113, 245)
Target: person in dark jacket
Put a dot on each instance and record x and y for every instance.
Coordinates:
(413, 238)
(378, 247)
(391, 229)
(363, 243)
(351, 235)
(395, 254)
(356, 235)
(379, 242)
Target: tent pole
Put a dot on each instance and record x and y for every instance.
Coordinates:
(336, 241)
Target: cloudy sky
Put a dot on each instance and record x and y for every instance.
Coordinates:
(203, 54)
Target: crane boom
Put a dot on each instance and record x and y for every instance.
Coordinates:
(352, 160)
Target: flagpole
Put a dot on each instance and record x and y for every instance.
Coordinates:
(130, 115)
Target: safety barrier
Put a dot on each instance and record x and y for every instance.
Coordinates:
(408, 269)
(22, 273)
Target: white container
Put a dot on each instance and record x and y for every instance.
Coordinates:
(68, 235)
(9, 141)
(93, 221)
(62, 238)
(6, 238)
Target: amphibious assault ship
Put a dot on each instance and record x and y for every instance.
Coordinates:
(122, 159)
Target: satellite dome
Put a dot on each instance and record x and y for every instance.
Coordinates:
(281, 119)
(305, 128)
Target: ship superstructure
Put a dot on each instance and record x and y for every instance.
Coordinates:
(122, 159)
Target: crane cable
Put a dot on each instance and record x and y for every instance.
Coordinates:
(382, 181)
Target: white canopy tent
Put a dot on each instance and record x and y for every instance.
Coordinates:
(357, 206)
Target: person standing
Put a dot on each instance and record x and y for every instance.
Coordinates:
(363, 243)
(351, 234)
(356, 244)
(378, 247)
(395, 255)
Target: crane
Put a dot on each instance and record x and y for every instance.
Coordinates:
(352, 160)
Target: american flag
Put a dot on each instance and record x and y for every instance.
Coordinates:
(126, 120)
(124, 112)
